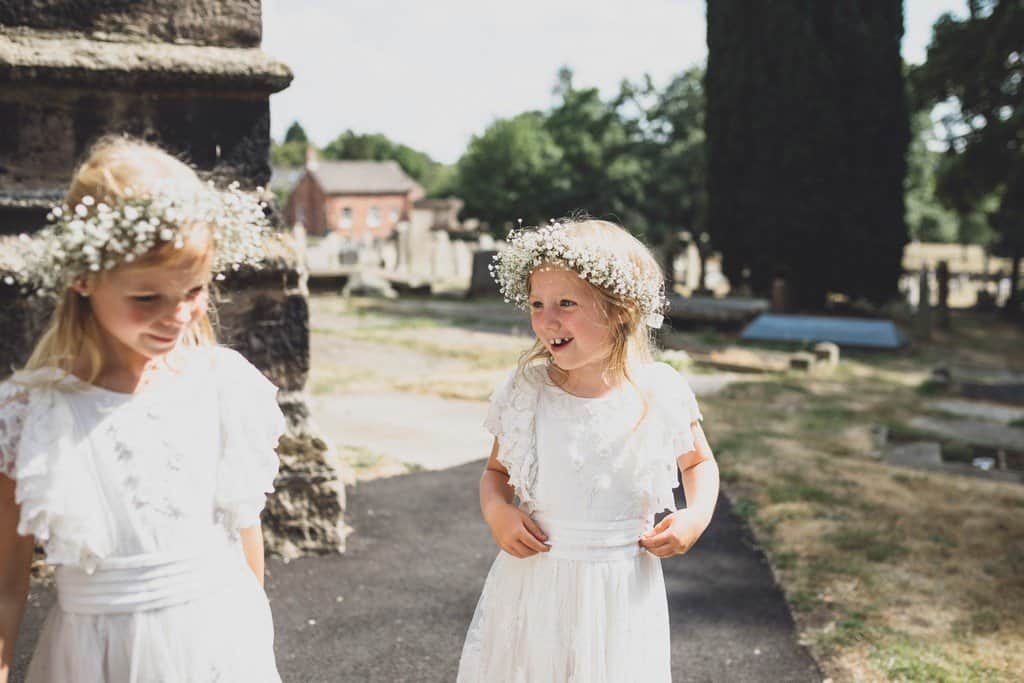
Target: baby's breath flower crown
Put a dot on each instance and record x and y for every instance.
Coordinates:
(529, 248)
(93, 236)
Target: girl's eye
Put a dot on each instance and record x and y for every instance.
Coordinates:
(566, 303)
(536, 305)
(193, 293)
(145, 298)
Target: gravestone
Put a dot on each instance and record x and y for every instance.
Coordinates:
(942, 286)
(481, 283)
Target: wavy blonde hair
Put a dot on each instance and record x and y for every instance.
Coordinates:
(118, 167)
(632, 339)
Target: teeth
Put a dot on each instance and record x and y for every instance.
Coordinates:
(555, 342)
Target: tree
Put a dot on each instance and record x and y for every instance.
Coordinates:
(512, 171)
(976, 67)
(291, 152)
(295, 133)
(668, 127)
(928, 220)
(600, 173)
(807, 133)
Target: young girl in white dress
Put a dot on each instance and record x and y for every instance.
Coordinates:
(135, 450)
(589, 435)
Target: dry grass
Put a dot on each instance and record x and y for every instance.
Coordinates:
(892, 574)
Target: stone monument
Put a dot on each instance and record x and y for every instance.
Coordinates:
(190, 76)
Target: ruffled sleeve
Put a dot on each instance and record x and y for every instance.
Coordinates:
(55, 481)
(679, 407)
(669, 434)
(251, 425)
(511, 418)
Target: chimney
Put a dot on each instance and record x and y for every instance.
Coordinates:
(311, 159)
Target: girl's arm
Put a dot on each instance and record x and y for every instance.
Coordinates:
(678, 532)
(252, 545)
(513, 530)
(15, 567)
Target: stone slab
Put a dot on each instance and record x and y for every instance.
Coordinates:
(849, 332)
(972, 432)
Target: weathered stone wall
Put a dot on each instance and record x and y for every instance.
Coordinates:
(227, 23)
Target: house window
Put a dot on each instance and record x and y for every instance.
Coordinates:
(373, 217)
(393, 214)
(346, 217)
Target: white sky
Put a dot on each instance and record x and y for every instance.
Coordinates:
(431, 74)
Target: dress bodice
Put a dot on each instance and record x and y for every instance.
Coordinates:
(102, 474)
(594, 459)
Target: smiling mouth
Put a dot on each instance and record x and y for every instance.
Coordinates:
(162, 340)
(559, 343)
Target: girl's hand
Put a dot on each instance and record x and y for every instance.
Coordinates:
(515, 532)
(674, 535)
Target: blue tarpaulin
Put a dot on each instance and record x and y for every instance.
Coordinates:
(855, 332)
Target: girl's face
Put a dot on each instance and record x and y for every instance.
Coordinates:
(143, 311)
(567, 317)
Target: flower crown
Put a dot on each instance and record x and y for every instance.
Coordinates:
(529, 248)
(93, 236)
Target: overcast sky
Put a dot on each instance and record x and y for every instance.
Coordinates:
(432, 74)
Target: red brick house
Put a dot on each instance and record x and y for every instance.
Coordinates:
(356, 199)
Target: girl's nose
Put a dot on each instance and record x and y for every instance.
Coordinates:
(182, 313)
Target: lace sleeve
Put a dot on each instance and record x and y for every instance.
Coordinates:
(511, 419)
(13, 404)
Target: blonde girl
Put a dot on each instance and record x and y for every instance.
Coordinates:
(589, 436)
(132, 447)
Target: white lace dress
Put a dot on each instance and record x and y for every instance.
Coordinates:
(593, 609)
(138, 500)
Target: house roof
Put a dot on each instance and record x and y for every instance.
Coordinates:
(362, 177)
(285, 178)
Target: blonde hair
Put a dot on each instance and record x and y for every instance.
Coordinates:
(632, 339)
(115, 169)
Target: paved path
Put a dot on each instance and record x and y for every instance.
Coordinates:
(395, 607)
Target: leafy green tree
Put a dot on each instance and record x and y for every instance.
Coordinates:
(512, 171)
(291, 152)
(668, 127)
(288, 154)
(600, 173)
(976, 67)
(295, 133)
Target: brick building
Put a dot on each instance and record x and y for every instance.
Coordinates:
(357, 200)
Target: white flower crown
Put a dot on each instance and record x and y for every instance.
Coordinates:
(93, 236)
(532, 247)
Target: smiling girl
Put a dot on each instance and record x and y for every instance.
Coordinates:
(589, 435)
(135, 450)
